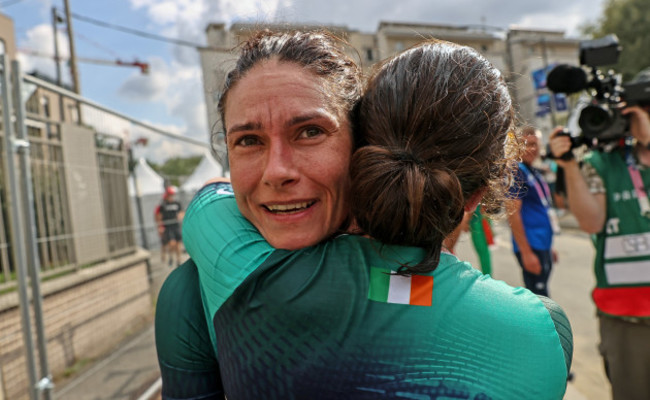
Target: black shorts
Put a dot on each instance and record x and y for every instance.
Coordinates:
(172, 232)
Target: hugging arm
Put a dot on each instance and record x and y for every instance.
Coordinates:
(188, 363)
(225, 248)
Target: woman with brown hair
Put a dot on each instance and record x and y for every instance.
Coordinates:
(288, 108)
(387, 313)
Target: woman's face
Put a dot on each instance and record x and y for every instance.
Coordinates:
(289, 152)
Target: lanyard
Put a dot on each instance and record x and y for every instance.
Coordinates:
(635, 176)
(543, 191)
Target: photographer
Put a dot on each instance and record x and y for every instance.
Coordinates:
(609, 197)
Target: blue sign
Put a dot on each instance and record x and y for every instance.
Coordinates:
(544, 95)
(560, 102)
(543, 104)
(539, 79)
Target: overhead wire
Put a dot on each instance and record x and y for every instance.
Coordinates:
(96, 44)
(10, 3)
(136, 32)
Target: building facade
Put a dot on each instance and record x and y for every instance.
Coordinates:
(93, 279)
(523, 55)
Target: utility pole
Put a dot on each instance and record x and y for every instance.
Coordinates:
(57, 59)
(73, 56)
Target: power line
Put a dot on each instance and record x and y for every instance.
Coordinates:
(136, 32)
(96, 44)
(10, 3)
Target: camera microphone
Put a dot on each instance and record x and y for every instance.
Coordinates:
(566, 79)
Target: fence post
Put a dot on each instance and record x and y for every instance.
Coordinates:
(17, 229)
(44, 384)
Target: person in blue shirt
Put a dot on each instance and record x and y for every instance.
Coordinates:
(532, 218)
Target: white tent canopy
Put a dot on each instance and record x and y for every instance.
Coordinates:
(151, 187)
(207, 169)
(149, 182)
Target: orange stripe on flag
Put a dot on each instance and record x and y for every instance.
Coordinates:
(421, 290)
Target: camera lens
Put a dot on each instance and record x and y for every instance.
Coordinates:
(594, 120)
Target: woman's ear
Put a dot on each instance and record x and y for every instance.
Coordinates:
(474, 199)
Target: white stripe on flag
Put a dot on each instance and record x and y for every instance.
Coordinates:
(399, 289)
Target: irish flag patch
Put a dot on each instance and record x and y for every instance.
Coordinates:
(416, 290)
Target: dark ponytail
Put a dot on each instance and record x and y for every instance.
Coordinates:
(401, 200)
(435, 119)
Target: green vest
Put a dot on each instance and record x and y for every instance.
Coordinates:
(622, 264)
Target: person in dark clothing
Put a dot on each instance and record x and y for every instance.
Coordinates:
(171, 214)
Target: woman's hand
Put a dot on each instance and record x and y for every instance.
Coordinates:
(531, 262)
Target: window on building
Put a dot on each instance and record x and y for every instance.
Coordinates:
(33, 131)
(45, 103)
(369, 54)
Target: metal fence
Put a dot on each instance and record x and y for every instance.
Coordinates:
(79, 194)
(46, 122)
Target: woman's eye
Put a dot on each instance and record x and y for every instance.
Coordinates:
(311, 131)
(247, 141)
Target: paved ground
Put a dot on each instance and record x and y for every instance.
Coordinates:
(131, 372)
(571, 283)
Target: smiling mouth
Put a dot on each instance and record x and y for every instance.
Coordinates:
(289, 208)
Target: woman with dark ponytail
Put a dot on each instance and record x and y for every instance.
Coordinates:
(379, 308)
(435, 119)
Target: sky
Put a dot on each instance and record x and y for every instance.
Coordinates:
(171, 95)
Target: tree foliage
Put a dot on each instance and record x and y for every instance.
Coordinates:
(177, 168)
(628, 19)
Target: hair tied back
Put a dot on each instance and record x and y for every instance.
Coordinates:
(407, 157)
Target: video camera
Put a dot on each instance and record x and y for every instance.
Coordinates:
(600, 117)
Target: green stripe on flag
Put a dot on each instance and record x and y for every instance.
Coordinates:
(379, 281)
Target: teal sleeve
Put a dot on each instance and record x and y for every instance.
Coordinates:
(224, 245)
(563, 328)
(188, 364)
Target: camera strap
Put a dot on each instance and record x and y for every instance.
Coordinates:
(637, 181)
